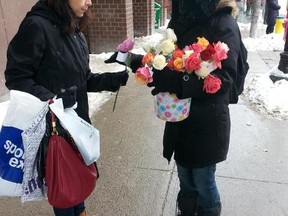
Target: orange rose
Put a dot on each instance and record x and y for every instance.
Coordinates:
(178, 53)
(178, 64)
(148, 59)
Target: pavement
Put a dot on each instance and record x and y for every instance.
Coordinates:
(135, 180)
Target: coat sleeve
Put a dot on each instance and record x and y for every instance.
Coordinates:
(98, 82)
(226, 30)
(24, 56)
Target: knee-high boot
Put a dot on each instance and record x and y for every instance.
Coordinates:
(187, 206)
(216, 212)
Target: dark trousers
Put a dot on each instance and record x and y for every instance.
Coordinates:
(73, 211)
(270, 28)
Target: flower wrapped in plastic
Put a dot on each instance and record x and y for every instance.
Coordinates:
(123, 50)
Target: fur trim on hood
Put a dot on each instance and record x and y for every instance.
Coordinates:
(230, 5)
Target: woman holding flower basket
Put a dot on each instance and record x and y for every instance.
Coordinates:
(198, 63)
(202, 140)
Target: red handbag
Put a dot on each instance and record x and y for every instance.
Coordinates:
(69, 181)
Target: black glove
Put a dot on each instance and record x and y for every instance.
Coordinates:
(68, 96)
(112, 59)
(134, 61)
(165, 80)
(119, 79)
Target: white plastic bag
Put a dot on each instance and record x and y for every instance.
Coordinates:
(21, 111)
(32, 188)
(85, 136)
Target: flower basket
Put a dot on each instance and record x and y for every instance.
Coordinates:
(169, 108)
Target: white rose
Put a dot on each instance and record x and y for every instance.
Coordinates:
(148, 48)
(167, 47)
(170, 34)
(187, 53)
(206, 69)
(159, 62)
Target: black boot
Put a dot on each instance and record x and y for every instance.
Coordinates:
(186, 206)
(216, 212)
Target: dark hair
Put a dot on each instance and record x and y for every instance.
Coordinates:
(73, 23)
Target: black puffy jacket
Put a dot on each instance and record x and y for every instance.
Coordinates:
(42, 59)
(203, 138)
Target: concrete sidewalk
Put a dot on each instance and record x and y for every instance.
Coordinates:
(135, 180)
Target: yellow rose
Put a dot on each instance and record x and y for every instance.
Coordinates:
(169, 34)
(203, 42)
(159, 62)
(167, 47)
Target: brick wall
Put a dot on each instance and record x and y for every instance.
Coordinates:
(112, 22)
(143, 14)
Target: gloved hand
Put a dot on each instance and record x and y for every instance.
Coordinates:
(165, 80)
(113, 58)
(133, 61)
(68, 96)
(119, 79)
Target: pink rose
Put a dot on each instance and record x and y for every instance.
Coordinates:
(143, 76)
(211, 84)
(192, 62)
(221, 50)
(197, 48)
(126, 46)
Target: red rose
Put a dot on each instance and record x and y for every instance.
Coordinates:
(207, 54)
(211, 84)
(170, 63)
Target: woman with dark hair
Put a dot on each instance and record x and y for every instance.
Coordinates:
(48, 57)
(202, 140)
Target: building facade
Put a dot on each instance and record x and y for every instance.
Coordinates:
(112, 22)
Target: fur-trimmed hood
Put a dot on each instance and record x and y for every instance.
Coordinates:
(187, 14)
(228, 5)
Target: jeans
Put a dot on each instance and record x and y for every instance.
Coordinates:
(73, 211)
(199, 183)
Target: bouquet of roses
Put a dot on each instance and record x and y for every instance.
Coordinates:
(200, 57)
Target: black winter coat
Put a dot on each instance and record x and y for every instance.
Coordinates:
(42, 59)
(272, 8)
(203, 138)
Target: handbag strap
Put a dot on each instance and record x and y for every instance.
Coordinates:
(53, 120)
